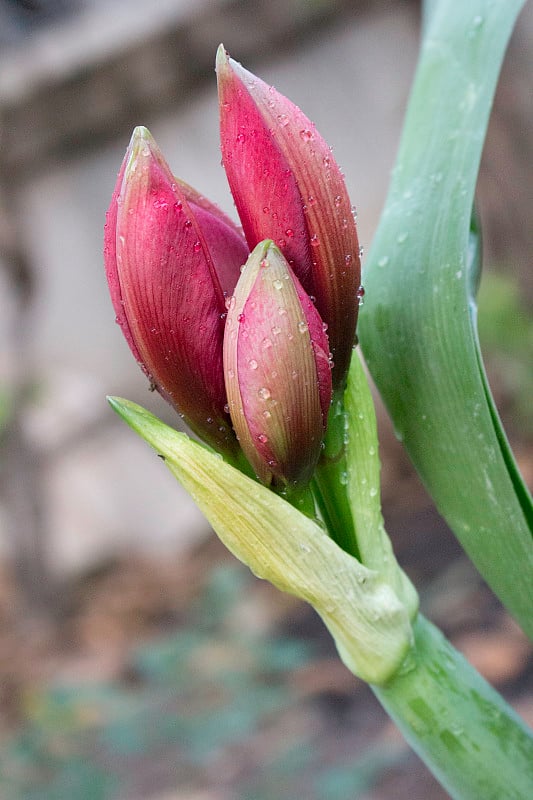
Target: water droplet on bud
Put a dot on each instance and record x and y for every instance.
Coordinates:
(264, 393)
(283, 120)
(315, 241)
(262, 438)
(306, 135)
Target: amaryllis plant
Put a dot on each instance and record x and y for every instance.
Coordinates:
(250, 334)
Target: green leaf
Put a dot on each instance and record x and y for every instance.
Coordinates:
(418, 328)
(363, 486)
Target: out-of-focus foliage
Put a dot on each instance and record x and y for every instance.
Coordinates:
(191, 696)
(506, 335)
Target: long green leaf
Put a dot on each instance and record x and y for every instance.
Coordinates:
(418, 328)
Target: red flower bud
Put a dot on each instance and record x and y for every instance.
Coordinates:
(171, 256)
(288, 187)
(277, 370)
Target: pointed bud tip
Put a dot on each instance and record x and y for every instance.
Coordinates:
(142, 145)
(221, 59)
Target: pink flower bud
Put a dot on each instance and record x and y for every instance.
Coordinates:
(277, 370)
(171, 256)
(287, 187)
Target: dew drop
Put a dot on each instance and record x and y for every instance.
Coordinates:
(315, 241)
(178, 205)
(276, 330)
(283, 120)
(311, 200)
(266, 343)
(383, 261)
(281, 243)
(289, 232)
(265, 209)
(241, 138)
(252, 363)
(264, 393)
(267, 414)
(360, 294)
(277, 284)
(263, 438)
(373, 491)
(302, 327)
(264, 263)
(402, 237)
(188, 223)
(226, 408)
(337, 201)
(197, 247)
(348, 259)
(241, 318)
(324, 326)
(306, 135)
(361, 251)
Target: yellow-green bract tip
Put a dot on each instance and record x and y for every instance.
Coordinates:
(369, 623)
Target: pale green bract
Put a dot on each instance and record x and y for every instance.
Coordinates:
(368, 620)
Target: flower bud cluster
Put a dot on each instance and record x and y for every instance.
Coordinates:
(247, 346)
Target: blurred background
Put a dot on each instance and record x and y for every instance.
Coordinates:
(138, 660)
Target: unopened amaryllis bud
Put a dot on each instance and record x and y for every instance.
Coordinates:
(288, 187)
(171, 256)
(277, 370)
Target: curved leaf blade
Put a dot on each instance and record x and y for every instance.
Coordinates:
(417, 331)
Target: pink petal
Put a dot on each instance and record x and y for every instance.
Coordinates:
(173, 303)
(288, 187)
(277, 390)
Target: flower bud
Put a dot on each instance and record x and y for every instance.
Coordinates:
(171, 256)
(277, 370)
(288, 187)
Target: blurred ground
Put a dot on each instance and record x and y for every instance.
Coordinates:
(137, 660)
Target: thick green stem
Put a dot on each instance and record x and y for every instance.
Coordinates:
(329, 482)
(471, 740)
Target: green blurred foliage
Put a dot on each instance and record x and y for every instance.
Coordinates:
(190, 699)
(506, 335)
